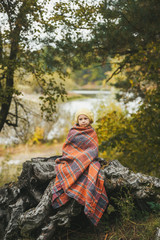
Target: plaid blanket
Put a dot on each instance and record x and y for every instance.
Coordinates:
(78, 174)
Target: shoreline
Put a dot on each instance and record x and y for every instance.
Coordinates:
(26, 151)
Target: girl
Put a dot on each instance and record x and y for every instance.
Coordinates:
(78, 173)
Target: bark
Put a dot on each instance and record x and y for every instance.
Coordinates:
(8, 90)
(157, 234)
(26, 205)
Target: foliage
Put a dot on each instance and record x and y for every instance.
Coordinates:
(38, 136)
(141, 74)
(93, 74)
(94, 31)
(134, 140)
(155, 207)
(111, 121)
(128, 221)
(24, 26)
(125, 205)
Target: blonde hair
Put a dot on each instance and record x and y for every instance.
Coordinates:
(85, 112)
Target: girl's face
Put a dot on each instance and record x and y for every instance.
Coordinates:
(83, 120)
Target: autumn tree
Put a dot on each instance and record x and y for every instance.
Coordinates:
(24, 28)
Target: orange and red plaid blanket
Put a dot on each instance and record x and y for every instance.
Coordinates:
(78, 174)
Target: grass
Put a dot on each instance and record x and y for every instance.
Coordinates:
(112, 228)
(9, 173)
(143, 229)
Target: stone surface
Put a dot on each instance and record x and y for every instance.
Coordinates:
(25, 206)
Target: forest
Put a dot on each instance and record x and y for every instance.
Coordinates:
(48, 49)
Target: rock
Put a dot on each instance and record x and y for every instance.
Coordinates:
(141, 186)
(26, 205)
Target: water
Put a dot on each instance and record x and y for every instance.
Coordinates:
(68, 109)
(95, 98)
(91, 92)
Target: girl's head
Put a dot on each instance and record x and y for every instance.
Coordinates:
(84, 117)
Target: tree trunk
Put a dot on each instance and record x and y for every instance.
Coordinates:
(7, 96)
(8, 75)
(26, 205)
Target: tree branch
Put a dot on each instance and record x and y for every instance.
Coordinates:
(117, 71)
